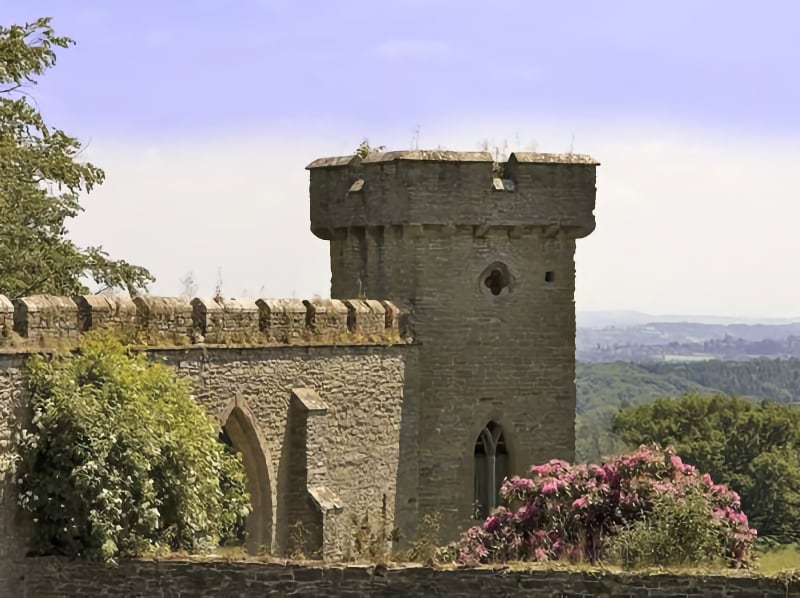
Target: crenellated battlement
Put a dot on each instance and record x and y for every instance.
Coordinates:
(42, 321)
(453, 188)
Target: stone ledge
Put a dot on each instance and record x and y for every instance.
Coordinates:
(308, 400)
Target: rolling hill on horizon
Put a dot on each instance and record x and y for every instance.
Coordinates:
(627, 318)
(682, 340)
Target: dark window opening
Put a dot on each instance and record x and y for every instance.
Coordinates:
(225, 439)
(496, 277)
(491, 469)
(494, 282)
(240, 526)
(548, 276)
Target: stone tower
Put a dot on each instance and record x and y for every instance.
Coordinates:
(481, 258)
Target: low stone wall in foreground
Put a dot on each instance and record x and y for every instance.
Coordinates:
(49, 577)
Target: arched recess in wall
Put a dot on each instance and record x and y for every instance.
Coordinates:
(244, 434)
(491, 466)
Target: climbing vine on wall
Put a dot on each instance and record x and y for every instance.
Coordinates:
(119, 460)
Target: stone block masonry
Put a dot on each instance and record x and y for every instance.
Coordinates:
(6, 317)
(480, 258)
(40, 321)
(451, 189)
(51, 578)
(44, 317)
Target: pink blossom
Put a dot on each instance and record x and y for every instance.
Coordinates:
(521, 484)
(525, 512)
(719, 489)
(541, 469)
(491, 523)
(549, 486)
(550, 514)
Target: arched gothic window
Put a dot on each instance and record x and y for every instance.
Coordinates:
(491, 468)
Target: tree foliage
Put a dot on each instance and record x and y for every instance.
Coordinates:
(119, 460)
(605, 388)
(643, 508)
(41, 179)
(752, 447)
(774, 379)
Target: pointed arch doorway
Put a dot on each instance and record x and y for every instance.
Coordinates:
(240, 429)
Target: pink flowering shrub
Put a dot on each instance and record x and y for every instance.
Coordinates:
(575, 512)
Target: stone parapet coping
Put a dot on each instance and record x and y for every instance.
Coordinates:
(47, 321)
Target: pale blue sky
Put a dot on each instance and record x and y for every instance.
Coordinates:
(205, 113)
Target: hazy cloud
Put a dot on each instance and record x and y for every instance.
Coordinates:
(204, 174)
(687, 221)
(412, 48)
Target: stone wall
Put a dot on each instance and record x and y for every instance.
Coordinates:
(347, 446)
(507, 358)
(57, 578)
(321, 428)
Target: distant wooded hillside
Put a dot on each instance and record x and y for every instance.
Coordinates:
(605, 388)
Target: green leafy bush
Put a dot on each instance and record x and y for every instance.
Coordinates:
(676, 532)
(119, 460)
(752, 447)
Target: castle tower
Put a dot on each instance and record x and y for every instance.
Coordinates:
(481, 257)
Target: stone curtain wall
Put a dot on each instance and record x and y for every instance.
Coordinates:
(350, 354)
(55, 578)
(357, 435)
(347, 448)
